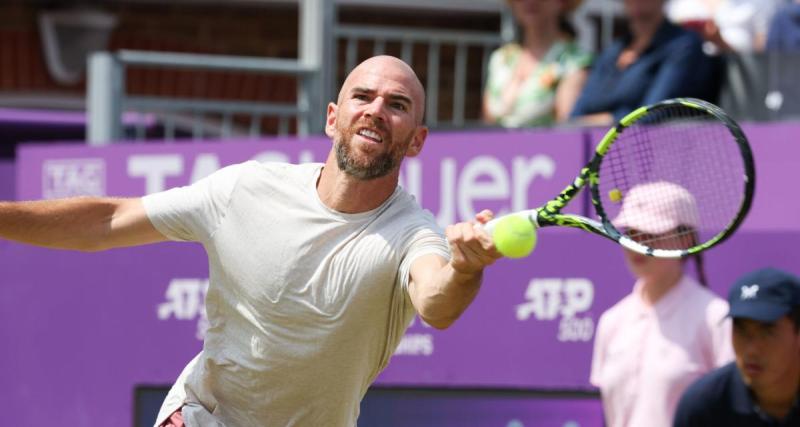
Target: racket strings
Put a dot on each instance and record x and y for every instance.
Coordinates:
(675, 167)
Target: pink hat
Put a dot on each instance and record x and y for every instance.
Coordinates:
(656, 208)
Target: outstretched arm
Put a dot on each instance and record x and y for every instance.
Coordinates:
(81, 223)
(440, 290)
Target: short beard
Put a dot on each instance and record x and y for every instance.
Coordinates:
(376, 168)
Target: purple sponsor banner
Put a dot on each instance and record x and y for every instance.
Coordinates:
(775, 150)
(457, 175)
(82, 330)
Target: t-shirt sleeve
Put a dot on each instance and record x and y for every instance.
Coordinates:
(576, 59)
(495, 66)
(497, 73)
(192, 213)
(425, 240)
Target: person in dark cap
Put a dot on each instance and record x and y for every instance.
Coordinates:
(762, 388)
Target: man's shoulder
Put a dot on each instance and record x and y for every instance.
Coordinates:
(709, 396)
(276, 170)
(506, 54)
(269, 166)
(720, 398)
(405, 207)
(703, 301)
(714, 383)
(620, 311)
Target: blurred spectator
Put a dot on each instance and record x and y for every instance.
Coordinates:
(729, 25)
(784, 31)
(762, 388)
(655, 61)
(670, 330)
(537, 82)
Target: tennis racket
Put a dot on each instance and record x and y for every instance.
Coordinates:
(668, 180)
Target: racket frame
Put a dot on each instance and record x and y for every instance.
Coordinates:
(550, 214)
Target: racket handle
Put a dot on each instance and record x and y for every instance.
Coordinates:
(529, 214)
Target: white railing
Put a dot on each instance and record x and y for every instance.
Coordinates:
(107, 98)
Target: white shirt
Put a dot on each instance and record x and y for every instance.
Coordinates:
(646, 356)
(740, 22)
(305, 304)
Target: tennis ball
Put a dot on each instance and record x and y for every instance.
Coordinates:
(615, 195)
(514, 236)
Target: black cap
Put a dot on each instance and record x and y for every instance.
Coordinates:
(764, 295)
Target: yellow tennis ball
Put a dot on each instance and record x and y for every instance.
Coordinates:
(514, 236)
(615, 195)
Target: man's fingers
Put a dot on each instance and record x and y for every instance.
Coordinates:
(484, 216)
(472, 248)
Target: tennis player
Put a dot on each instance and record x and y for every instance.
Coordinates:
(316, 270)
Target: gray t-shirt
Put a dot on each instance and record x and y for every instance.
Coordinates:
(305, 304)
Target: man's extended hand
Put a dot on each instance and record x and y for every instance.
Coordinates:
(471, 247)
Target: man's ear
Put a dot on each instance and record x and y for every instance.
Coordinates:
(417, 142)
(330, 120)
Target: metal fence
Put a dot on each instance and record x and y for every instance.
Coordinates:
(107, 98)
(316, 73)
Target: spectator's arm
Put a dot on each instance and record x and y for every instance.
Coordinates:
(568, 92)
(495, 64)
(762, 23)
(488, 118)
(760, 42)
(596, 119)
(712, 33)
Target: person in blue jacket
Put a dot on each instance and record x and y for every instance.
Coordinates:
(656, 60)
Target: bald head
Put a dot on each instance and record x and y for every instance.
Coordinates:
(387, 68)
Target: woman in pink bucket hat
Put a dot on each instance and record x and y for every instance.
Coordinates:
(670, 330)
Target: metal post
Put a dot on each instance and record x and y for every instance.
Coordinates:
(104, 99)
(315, 48)
(508, 25)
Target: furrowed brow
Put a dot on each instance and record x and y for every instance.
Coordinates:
(393, 97)
(401, 98)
